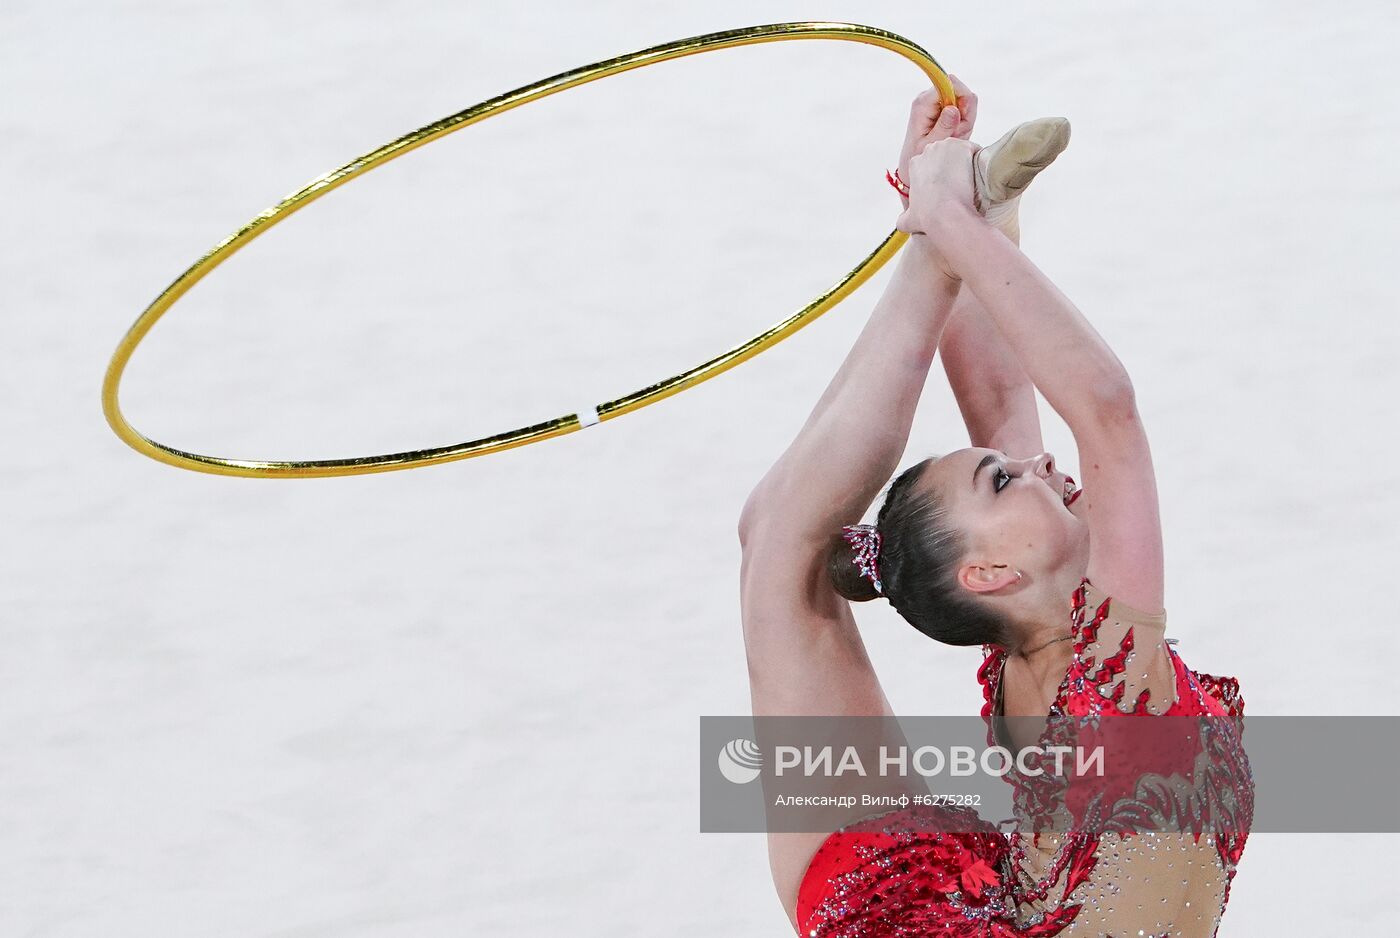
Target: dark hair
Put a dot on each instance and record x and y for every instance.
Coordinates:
(919, 554)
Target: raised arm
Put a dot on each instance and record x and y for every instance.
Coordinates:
(853, 439)
(994, 394)
(805, 654)
(1069, 362)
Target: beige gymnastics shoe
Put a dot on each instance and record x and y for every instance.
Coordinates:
(1001, 172)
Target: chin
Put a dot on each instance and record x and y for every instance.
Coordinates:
(1077, 509)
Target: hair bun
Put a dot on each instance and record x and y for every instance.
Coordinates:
(845, 573)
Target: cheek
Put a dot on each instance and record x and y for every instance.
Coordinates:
(1051, 528)
(1025, 530)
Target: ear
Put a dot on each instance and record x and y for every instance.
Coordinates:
(985, 577)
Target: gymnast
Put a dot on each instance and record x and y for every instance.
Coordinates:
(993, 545)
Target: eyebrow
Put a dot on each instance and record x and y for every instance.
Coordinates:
(986, 461)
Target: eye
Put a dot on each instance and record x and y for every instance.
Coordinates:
(997, 484)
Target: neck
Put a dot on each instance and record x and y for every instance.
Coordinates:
(1040, 610)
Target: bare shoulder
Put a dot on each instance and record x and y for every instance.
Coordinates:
(1123, 651)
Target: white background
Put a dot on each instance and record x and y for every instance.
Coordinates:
(465, 700)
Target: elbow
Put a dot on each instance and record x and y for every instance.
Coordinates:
(1114, 401)
(768, 507)
(748, 517)
(761, 503)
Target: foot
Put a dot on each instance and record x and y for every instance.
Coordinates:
(1001, 172)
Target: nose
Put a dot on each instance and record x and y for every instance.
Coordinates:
(1042, 465)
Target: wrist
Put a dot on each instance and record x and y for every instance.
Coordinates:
(932, 261)
(953, 219)
(959, 234)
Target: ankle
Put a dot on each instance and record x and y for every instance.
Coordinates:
(1006, 218)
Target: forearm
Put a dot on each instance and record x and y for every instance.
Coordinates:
(994, 393)
(1059, 350)
(852, 441)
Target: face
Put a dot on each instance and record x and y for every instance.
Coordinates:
(1015, 514)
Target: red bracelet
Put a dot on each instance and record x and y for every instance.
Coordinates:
(899, 184)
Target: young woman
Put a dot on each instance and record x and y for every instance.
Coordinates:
(992, 545)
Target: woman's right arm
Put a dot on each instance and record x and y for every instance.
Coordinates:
(1067, 359)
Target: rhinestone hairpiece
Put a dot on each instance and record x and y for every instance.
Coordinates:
(866, 541)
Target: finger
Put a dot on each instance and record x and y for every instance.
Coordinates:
(967, 107)
(924, 111)
(929, 144)
(945, 159)
(962, 91)
(964, 149)
(969, 116)
(947, 123)
(927, 100)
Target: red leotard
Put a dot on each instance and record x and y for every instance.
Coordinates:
(891, 875)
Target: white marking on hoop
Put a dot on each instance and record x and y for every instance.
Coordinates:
(587, 417)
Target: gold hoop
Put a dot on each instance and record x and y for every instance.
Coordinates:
(560, 425)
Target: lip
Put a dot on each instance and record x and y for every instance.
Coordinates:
(1075, 490)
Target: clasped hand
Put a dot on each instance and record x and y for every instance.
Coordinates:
(936, 162)
(940, 184)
